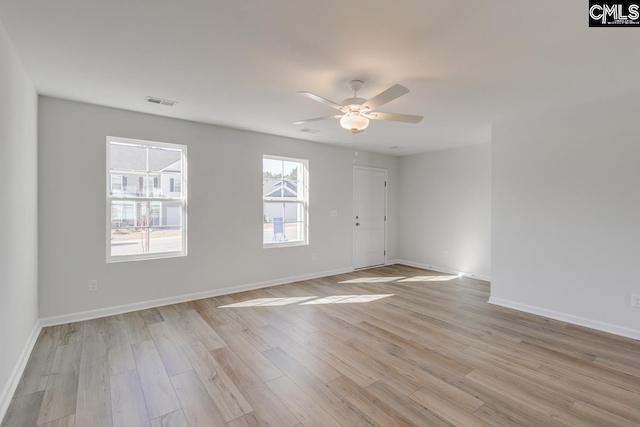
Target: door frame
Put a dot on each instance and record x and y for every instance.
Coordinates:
(353, 227)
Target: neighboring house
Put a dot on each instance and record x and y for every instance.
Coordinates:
(285, 190)
(132, 176)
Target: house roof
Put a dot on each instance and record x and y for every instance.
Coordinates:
(131, 157)
(277, 189)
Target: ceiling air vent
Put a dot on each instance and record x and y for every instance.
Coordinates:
(307, 130)
(161, 101)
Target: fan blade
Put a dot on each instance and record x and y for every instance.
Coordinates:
(395, 91)
(394, 117)
(337, 116)
(324, 101)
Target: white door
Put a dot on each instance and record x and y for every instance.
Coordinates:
(369, 217)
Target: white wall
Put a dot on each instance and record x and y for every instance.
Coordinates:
(566, 214)
(224, 242)
(18, 215)
(445, 199)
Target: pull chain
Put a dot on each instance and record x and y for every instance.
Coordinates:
(355, 150)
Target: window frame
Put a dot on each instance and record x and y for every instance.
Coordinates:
(111, 197)
(304, 203)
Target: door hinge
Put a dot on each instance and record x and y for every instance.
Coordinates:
(385, 183)
(385, 252)
(385, 217)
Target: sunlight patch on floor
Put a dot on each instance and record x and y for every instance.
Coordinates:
(336, 299)
(428, 279)
(347, 299)
(267, 302)
(373, 279)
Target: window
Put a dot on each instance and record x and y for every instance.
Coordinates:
(146, 218)
(285, 198)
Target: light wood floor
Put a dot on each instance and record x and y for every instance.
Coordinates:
(392, 346)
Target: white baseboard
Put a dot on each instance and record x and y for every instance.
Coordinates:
(569, 318)
(125, 308)
(442, 269)
(16, 375)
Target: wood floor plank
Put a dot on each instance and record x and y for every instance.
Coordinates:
(202, 331)
(128, 406)
(95, 340)
(249, 420)
(60, 395)
(306, 358)
(196, 402)
(262, 400)
(156, 386)
(305, 409)
(172, 419)
(381, 413)
(119, 354)
(69, 421)
(250, 355)
(226, 396)
(70, 333)
(39, 365)
(93, 408)
(341, 410)
(23, 411)
(173, 358)
(136, 327)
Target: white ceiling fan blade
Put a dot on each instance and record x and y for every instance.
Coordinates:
(324, 101)
(395, 91)
(406, 118)
(337, 116)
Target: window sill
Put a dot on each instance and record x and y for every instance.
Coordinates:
(144, 257)
(283, 244)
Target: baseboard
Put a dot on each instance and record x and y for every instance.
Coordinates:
(14, 378)
(125, 308)
(569, 318)
(443, 270)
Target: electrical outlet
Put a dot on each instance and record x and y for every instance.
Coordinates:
(93, 285)
(635, 300)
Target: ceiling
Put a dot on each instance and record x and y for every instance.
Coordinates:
(240, 63)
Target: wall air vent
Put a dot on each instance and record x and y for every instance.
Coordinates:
(161, 101)
(307, 130)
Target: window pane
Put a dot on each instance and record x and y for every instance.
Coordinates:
(272, 188)
(293, 170)
(165, 239)
(273, 229)
(293, 212)
(165, 214)
(127, 214)
(128, 241)
(164, 160)
(293, 231)
(127, 157)
(271, 168)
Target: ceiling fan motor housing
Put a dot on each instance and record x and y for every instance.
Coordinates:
(353, 103)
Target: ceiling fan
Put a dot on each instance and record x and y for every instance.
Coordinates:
(356, 112)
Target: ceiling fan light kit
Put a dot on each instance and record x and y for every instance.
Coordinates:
(356, 112)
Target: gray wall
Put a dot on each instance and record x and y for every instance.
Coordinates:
(566, 213)
(224, 209)
(445, 199)
(18, 215)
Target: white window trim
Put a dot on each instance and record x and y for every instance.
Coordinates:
(110, 197)
(304, 203)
